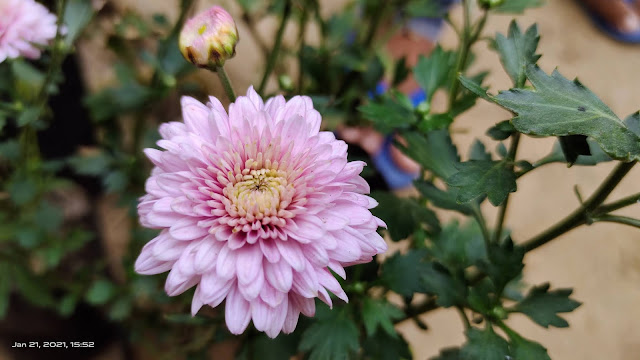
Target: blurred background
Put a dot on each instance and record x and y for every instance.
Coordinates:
(601, 262)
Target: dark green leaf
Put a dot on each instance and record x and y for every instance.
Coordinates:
(448, 354)
(388, 115)
(442, 199)
(333, 336)
(574, 146)
(422, 8)
(523, 349)
(27, 80)
(263, 348)
(5, 288)
(432, 72)
(382, 346)
(28, 116)
(505, 263)
(477, 178)
(559, 107)
(517, 6)
(438, 281)
(478, 151)
(633, 122)
(48, 217)
(10, 150)
(100, 292)
(403, 215)
(433, 122)
(401, 72)
(380, 313)
(120, 309)
(501, 131)
(458, 246)
(32, 288)
(517, 51)
(22, 190)
(484, 344)
(597, 155)
(402, 273)
(542, 305)
(434, 151)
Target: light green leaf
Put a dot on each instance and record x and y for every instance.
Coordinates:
(542, 305)
(517, 51)
(559, 107)
(432, 72)
(478, 178)
(517, 6)
(100, 292)
(380, 313)
(484, 344)
(434, 151)
(77, 15)
(388, 115)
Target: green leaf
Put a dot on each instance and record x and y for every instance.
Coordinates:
(28, 116)
(574, 146)
(484, 344)
(542, 305)
(517, 51)
(120, 309)
(32, 288)
(557, 155)
(434, 151)
(92, 165)
(77, 15)
(477, 178)
(67, 305)
(523, 349)
(501, 131)
(432, 72)
(10, 150)
(504, 263)
(474, 87)
(332, 336)
(517, 6)
(400, 72)
(433, 122)
(27, 80)
(442, 199)
(263, 348)
(448, 354)
(22, 189)
(402, 272)
(467, 99)
(458, 247)
(48, 217)
(388, 115)
(478, 151)
(382, 346)
(403, 215)
(559, 107)
(380, 313)
(422, 8)
(633, 122)
(438, 281)
(100, 292)
(5, 288)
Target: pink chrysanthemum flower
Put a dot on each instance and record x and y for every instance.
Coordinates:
(255, 207)
(24, 24)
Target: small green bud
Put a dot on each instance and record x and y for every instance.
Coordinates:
(285, 82)
(489, 4)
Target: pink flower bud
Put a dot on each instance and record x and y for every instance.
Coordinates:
(209, 38)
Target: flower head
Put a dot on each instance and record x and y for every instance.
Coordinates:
(24, 24)
(209, 38)
(256, 207)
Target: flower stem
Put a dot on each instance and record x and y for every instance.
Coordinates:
(511, 157)
(477, 214)
(226, 83)
(465, 47)
(273, 56)
(582, 215)
(624, 220)
(619, 204)
(463, 316)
